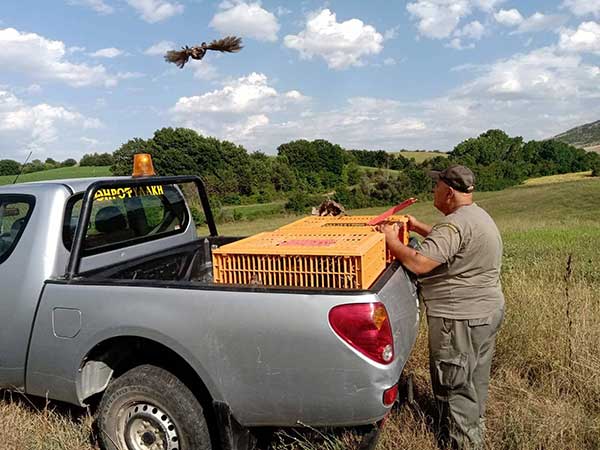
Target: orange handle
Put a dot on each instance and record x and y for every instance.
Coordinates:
(380, 218)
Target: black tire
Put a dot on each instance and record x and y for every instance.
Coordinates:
(148, 407)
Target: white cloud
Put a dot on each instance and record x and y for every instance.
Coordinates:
(249, 94)
(540, 22)
(49, 61)
(238, 108)
(97, 5)
(204, 70)
(457, 44)
(90, 142)
(487, 5)
(246, 127)
(509, 18)
(129, 75)
(110, 52)
(34, 89)
(543, 74)
(583, 7)
(389, 62)
(282, 11)
(76, 49)
(473, 30)
(246, 20)
(341, 44)
(391, 33)
(438, 18)
(585, 39)
(160, 48)
(153, 11)
(26, 127)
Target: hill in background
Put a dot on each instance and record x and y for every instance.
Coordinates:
(585, 136)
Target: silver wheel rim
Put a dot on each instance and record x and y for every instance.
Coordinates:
(143, 426)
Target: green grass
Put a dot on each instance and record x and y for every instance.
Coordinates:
(420, 156)
(542, 202)
(375, 169)
(57, 174)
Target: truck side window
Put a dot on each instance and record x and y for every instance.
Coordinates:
(15, 211)
(127, 216)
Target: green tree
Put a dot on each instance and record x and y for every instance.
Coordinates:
(594, 164)
(96, 159)
(69, 162)
(9, 167)
(34, 166)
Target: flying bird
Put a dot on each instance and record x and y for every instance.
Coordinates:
(229, 44)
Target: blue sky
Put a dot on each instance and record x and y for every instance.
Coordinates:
(81, 76)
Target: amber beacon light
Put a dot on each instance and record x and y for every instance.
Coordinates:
(142, 165)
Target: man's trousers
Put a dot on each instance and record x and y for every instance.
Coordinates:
(460, 358)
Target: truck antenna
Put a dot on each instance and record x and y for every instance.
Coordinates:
(22, 167)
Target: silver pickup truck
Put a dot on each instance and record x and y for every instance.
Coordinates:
(107, 298)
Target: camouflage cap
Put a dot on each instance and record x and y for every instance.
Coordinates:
(457, 177)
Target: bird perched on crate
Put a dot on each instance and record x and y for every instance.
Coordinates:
(329, 208)
(229, 44)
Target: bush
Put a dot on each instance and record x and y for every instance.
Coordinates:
(596, 168)
(97, 159)
(70, 162)
(301, 202)
(197, 215)
(9, 167)
(34, 166)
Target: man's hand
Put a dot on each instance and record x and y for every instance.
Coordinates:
(390, 231)
(413, 261)
(419, 227)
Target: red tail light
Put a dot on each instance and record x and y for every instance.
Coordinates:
(366, 327)
(390, 396)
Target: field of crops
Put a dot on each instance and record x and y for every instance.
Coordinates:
(57, 174)
(545, 390)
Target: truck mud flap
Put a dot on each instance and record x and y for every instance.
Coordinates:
(232, 435)
(370, 436)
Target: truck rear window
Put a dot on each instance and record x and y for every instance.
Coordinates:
(127, 216)
(15, 211)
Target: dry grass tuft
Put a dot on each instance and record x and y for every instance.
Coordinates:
(25, 425)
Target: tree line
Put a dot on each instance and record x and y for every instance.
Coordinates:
(303, 172)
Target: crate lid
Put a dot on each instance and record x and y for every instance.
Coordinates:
(304, 242)
(337, 222)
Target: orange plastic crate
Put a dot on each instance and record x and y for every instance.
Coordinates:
(301, 258)
(344, 224)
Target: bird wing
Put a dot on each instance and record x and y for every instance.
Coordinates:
(179, 57)
(230, 44)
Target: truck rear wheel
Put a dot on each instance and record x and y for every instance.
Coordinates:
(148, 408)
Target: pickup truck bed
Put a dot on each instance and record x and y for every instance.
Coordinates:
(282, 366)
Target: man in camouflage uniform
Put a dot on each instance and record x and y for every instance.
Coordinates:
(458, 267)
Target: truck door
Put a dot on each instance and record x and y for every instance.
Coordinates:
(15, 212)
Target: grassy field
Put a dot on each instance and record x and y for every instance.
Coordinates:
(57, 174)
(545, 389)
(420, 156)
(375, 169)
